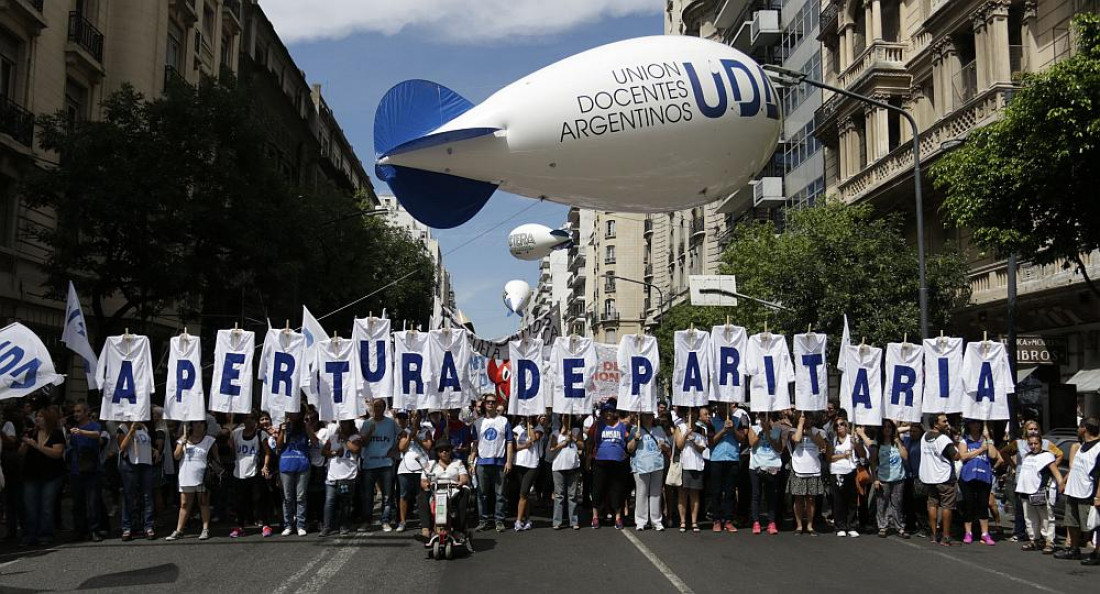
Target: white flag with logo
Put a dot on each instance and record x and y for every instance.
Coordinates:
(25, 364)
(75, 336)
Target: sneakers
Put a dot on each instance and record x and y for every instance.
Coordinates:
(730, 527)
(518, 527)
(882, 533)
(772, 528)
(482, 526)
(853, 534)
(400, 526)
(1069, 554)
(639, 527)
(500, 526)
(302, 532)
(386, 527)
(1093, 559)
(756, 527)
(286, 531)
(205, 534)
(150, 534)
(968, 538)
(841, 533)
(175, 535)
(988, 540)
(717, 527)
(595, 522)
(527, 525)
(619, 524)
(323, 533)
(659, 527)
(234, 533)
(126, 536)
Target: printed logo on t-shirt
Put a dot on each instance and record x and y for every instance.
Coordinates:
(490, 434)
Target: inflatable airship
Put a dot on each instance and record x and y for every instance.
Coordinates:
(652, 124)
(517, 294)
(534, 242)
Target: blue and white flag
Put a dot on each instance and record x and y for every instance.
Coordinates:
(25, 364)
(312, 329)
(75, 336)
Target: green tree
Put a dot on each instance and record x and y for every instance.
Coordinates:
(828, 261)
(1027, 183)
(173, 202)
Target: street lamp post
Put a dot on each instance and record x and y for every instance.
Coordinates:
(786, 76)
(638, 282)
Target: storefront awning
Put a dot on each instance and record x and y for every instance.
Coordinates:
(1022, 373)
(1086, 380)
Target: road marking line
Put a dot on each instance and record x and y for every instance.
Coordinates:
(981, 567)
(331, 568)
(677, 583)
(301, 573)
(3, 565)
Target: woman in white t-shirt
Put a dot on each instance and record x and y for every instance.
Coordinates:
(342, 450)
(414, 443)
(805, 484)
(193, 451)
(1033, 475)
(691, 441)
(565, 446)
(135, 465)
(249, 485)
(844, 453)
(528, 437)
(445, 468)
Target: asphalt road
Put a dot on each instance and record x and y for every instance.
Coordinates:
(539, 561)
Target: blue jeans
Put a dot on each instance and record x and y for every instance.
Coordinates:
(87, 492)
(39, 497)
(383, 477)
(338, 505)
(295, 486)
(567, 493)
(137, 491)
(490, 479)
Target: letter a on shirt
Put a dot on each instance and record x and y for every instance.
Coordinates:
(904, 382)
(231, 388)
(728, 378)
(987, 381)
(184, 399)
(411, 372)
(573, 363)
(372, 342)
(529, 385)
(943, 386)
(639, 362)
(811, 378)
(125, 374)
(449, 353)
(769, 364)
(336, 375)
(284, 371)
(863, 397)
(691, 374)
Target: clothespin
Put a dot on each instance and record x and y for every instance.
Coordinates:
(286, 330)
(126, 334)
(985, 341)
(447, 327)
(335, 339)
(236, 328)
(862, 345)
(941, 340)
(767, 335)
(638, 339)
(572, 343)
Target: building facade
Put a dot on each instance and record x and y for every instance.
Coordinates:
(68, 55)
(953, 65)
(552, 289)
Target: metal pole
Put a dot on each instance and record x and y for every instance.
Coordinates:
(1013, 404)
(922, 292)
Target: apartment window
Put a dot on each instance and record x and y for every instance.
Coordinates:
(76, 101)
(173, 51)
(207, 21)
(227, 50)
(7, 213)
(609, 256)
(610, 229)
(609, 307)
(609, 282)
(9, 64)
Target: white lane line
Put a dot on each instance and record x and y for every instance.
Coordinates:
(331, 568)
(665, 570)
(3, 565)
(981, 567)
(288, 584)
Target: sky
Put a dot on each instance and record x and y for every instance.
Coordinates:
(358, 49)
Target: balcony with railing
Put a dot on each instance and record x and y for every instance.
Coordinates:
(609, 234)
(84, 35)
(16, 122)
(609, 259)
(880, 56)
(697, 227)
(989, 283)
(649, 270)
(647, 226)
(830, 16)
(609, 316)
(609, 285)
(964, 84)
(576, 260)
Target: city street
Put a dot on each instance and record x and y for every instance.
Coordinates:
(544, 559)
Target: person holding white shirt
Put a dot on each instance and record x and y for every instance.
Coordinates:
(135, 463)
(691, 440)
(765, 462)
(845, 452)
(528, 448)
(1033, 475)
(805, 484)
(565, 446)
(248, 483)
(414, 444)
(938, 454)
(649, 445)
(193, 451)
(342, 449)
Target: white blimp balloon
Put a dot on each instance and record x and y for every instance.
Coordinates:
(652, 124)
(517, 294)
(533, 241)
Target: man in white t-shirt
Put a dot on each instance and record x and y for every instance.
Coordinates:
(937, 471)
(495, 449)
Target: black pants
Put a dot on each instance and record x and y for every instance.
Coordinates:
(843, 490)
(457, 511)
(251, 500)
(608, 485)
(723, 487)
(975, 504)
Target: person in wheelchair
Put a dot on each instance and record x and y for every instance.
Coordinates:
(446, 470)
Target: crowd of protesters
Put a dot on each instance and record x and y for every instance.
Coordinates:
(723, 468)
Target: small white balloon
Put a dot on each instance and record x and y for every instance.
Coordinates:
(533, 241)
(517, 295)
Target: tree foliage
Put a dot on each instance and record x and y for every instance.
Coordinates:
(1028, 183)
(829, 261)
(172, 204)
